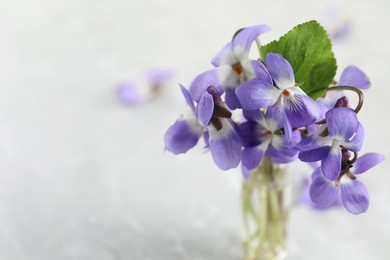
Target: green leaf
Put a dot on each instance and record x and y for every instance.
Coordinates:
(309, 50)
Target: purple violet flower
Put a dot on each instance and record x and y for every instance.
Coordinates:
(211, 119)
(297, 107)
(342, 129)
(185, 132)
(233, 67)
(130, 93)
(354, 194)
(262, 135)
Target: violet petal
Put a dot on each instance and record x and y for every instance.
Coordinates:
(353, 76)
(366, 162)
(182, 136)
(354, 196)
(255, 94)
(205, 108)
(225, 146)
(280, 70)
(342, 122)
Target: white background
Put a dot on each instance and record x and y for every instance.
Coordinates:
(84, 177)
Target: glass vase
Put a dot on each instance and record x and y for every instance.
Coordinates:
(265, 206)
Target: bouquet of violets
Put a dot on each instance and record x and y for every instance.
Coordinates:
(287, 106)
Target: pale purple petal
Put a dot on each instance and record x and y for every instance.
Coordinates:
(274, 118)
(243, 41)
(354, 196)
(245, 172)
(159, 75)
(182, 136)
(200, 84)
(323, 192)
(255, 94)
(356, 143)
(225, 146)
(251, 157)
(231, 99)
(130, 93)
(225, 56)
(260, 71)
(331, 165)
(301, 110)
(314, 154)
(353, 76)
(366, 162)
(342, 122)
(187, 97)
(205, 108)
(280, 70)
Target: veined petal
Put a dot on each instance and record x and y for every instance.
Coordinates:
(354, 196)
(356, 143)
(280, 70)
(182, 135)
(204, 80)
(251, 157)
(225, 56)
(255, 94)
(301, 110)
(322, 191)
(353, 76)
(243, 41)
(256, 69)
(366, 162)
(314, 154)
(342, 122)
(231, 99)
(225, 146)
(187, 97)
(331, 165)
(205, 108)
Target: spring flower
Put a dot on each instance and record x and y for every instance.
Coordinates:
(211, 118)
(233, 67)
(262, 135)
(299, 109)
(131, 93)
(354, 194)
(335, 23)
(342, 130)
(275, 121)
(185, 132)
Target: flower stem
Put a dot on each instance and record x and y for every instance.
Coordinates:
(264, 213)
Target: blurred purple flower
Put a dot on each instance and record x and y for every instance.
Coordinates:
(131, 93)
(337, 26)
